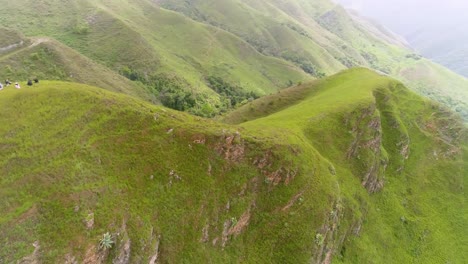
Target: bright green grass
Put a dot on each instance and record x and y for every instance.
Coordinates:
(65, 145)
(269, 104)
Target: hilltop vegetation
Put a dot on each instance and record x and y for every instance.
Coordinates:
(10, 40)
(353, 168)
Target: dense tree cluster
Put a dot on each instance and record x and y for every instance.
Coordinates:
(231, 94)
(172, 92)
(303, 63)
(176, 93)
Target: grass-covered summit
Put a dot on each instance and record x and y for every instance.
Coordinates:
(357, 169)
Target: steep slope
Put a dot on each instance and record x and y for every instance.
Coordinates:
(45, 58)
(10, 41)
(409, 152)
(435, 83)
(356, 170)
(271, 30)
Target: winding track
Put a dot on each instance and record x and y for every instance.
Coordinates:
(34, 43)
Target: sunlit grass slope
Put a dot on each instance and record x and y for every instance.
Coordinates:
(354, 169)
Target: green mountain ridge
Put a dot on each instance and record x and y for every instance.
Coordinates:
(354, 169)
(324, 144)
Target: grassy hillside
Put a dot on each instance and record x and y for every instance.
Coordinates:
(270, 104)
(45, 58)
(444, 85)
(358, 170)
(152, 175)
(10, 41)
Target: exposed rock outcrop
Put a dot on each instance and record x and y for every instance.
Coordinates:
(366, 150)
(154, 258)
(124, 253)
(328, 240)
(123, 246)
(231, 147)
(34, 257)
(282, 174)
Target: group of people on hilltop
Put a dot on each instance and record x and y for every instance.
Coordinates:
(17, 85)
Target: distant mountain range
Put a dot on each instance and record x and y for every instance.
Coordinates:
(436, 30)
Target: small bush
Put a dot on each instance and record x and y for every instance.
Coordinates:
(319, 239)
(81, 28)
(106, 241)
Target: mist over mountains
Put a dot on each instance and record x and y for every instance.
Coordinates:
(437, 30)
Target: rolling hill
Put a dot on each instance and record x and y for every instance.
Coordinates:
(353, 168)
(344, 166)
